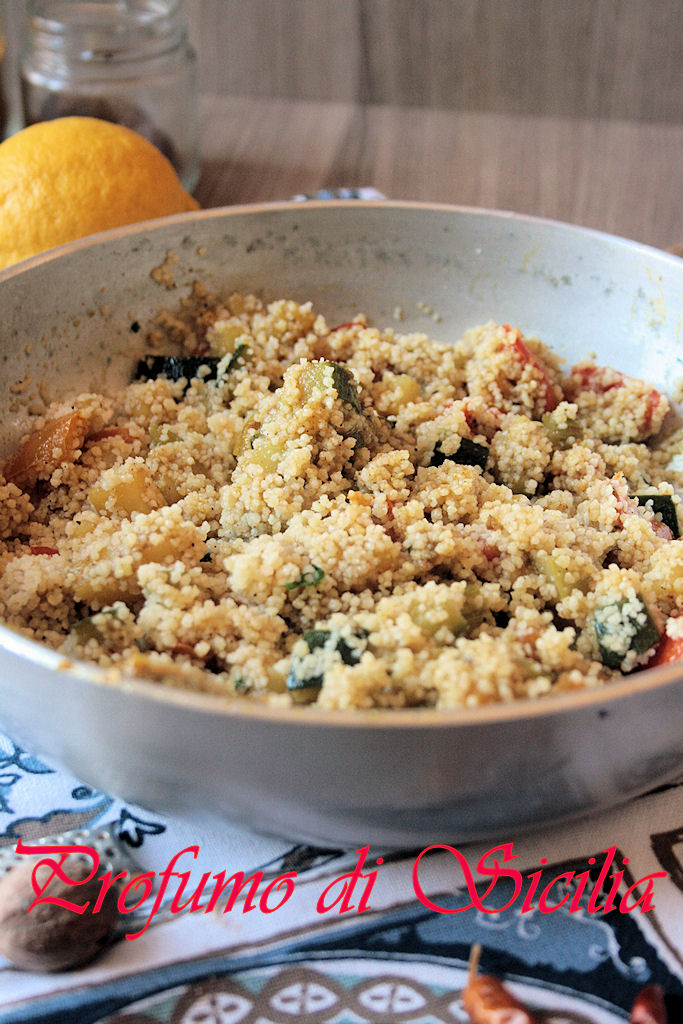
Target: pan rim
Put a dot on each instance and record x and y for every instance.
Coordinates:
(43, 657)
(598, 699)
(218, 212)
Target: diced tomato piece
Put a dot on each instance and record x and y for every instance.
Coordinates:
(41, 549)
(653, 401)
(475, 419)
(669, 649)
(662, 530)
(600, 379)
(624, 505)
(471, 414)
(469, 419)
(550, 399)
(490, 551)
(342, 327)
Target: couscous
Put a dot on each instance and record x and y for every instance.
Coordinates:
(346, 517)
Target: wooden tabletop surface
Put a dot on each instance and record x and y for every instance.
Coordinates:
(619, 176)
(570, 111)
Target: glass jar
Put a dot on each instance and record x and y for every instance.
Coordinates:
(127, 61)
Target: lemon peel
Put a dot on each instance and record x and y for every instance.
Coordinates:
(75, 176)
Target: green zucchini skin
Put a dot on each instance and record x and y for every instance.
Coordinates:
(345, 386)
(176, 367)
(469, 453)
(631, 621)
(304, 688)
(309, 578)
(561, 436)
(663, 504)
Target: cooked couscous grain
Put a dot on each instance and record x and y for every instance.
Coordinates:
(347, 517)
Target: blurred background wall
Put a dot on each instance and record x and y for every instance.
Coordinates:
(576, 58)
(568, 109)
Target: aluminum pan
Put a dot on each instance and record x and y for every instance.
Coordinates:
(581, 291)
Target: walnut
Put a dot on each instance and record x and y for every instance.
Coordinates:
(51, 937)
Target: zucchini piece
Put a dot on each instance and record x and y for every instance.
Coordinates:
(315, 376)
(469, 453)
(663, 504)
(457, 613)
(236, 356)
(560, 434)
(623, 627)
(465, 624)
(557, 575)
(553, 572)
(175, 367)
(85, 629)
(345, 386)
(162, 433)
(307, 672)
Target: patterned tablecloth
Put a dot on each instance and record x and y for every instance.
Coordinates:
(397, 951)
(583, 917)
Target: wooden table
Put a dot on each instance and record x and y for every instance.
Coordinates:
(619, 176)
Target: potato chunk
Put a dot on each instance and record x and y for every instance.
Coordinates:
(126, 489)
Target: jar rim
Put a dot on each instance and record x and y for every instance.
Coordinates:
(105, 30)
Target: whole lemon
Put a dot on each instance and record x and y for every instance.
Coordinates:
(74, 176)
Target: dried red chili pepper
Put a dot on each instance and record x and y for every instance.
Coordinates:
(649, 1007)
(487, 1001)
